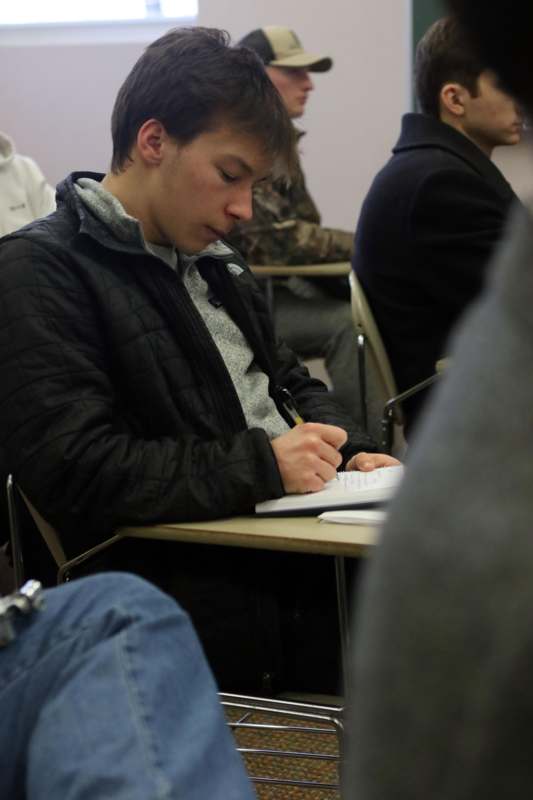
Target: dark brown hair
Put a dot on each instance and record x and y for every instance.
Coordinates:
(444, 54)
(503, 32)
(191, 80)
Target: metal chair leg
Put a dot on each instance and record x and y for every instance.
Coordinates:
(14, 533)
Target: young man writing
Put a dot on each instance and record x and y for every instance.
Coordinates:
(436, 210)
(140, 377)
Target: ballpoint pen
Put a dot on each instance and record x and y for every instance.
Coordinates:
(293, 414)
(289, 406)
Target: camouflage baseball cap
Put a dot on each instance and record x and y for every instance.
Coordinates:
(280, 47)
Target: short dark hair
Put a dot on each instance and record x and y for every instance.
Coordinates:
(192, 80)
(444, 54)
(504, 35)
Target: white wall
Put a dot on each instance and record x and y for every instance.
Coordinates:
(57, 101)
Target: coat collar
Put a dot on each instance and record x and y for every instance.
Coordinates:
(420, 131)
(89, 224)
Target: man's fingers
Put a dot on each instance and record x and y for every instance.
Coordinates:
(308, 456)
(325, 452)
(325, 470)
(384, 460)
(366, 462)
(331, 434)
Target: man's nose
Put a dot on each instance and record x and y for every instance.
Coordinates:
(308, 83)
(241, 206)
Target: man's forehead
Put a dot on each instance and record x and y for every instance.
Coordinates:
(250, 165)
(246, 149)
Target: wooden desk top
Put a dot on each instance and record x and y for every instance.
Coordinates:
(300, 534)
(318, 270)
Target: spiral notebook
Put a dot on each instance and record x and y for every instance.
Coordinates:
(348, 490)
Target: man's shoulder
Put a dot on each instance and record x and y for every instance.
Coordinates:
(411, 166)
(430, 147)
(48, 249)
(51, 233)
(36, 255)
(24, 168)
(427, 145)
(398, 182)
(281, 199)
(420, 174)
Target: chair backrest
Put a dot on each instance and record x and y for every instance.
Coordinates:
(48, 533)
(377, 383)
(15, 498)
(366, 325)
(50, 537)
(323, 270)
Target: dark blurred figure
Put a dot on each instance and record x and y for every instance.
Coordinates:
(442, 692)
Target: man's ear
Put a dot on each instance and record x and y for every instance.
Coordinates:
(151, 139)
(452, 99)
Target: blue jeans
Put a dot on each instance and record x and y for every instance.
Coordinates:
(106, 693)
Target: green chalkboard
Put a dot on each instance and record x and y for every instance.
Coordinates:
(425, 12)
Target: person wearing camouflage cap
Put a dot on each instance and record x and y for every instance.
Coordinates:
(312, 315)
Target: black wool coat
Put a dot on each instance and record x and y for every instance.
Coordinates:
(424, 238)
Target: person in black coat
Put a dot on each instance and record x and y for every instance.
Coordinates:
(435, 211)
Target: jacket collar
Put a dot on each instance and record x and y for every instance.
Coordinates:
(89, 224)
(423, 132)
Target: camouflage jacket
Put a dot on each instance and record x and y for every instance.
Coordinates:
(286, 228)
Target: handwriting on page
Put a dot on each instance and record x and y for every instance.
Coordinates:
(349, 490)
(352, 481)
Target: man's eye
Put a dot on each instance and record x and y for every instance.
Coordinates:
(227, 177)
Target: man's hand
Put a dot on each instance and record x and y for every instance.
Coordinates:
(308, 456)
(366, 462)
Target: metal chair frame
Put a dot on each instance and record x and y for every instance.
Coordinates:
(369, 340)
(268, 272)
(49, 534)
(330, 716)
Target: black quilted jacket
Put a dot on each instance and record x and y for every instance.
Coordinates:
(115, 405)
